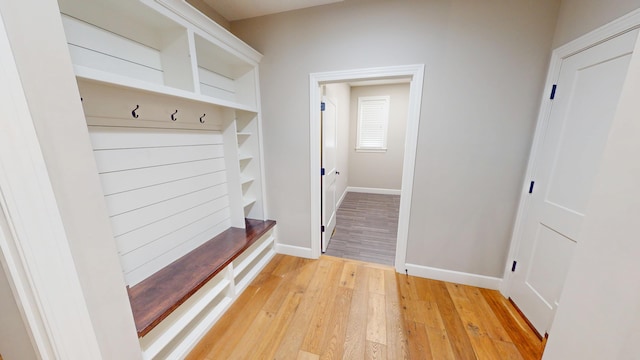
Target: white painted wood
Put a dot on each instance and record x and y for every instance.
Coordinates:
(619, 26)
(162, 335)
(176, 336)
(251, 164)
(373, 190)
(162, 259)
(127, 201)
(189, 222)
(176, 62)
(135, 158)
(113, 106)
(567, 159)
(137, 178)
(329, 161)
(33, 246)
(216, 85)
(155, 189)
(109, 138)
(233, 172)
(457, 277)
(416, 74)
(216, 197)
(112, 79)
(101, 49)
(292, 250)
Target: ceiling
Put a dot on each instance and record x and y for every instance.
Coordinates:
(243, 9)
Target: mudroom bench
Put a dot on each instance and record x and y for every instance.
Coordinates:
(174, 307)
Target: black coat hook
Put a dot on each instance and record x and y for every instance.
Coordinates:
(133, 113)
(201, 120)
(173, 116)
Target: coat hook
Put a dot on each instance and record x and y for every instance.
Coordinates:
(173, 116)
(133, 113)
(201, 120)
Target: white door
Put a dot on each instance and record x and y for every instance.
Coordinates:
(329, 139)
(586, 98)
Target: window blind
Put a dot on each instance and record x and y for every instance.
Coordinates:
(373, 119)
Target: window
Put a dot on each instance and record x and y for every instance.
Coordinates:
(373, 119)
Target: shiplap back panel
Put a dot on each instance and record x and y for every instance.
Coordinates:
(165, 190)
(95, 47)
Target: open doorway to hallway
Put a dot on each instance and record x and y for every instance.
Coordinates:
(368, 145)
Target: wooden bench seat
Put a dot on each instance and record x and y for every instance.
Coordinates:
(153, 299)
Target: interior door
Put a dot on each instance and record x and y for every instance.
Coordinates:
(329, 154)
(586, 98)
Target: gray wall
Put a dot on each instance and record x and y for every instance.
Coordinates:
(578, 17)
(380, 170)
(340, 93)
(486, 63)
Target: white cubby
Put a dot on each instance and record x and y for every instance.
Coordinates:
(159, 56)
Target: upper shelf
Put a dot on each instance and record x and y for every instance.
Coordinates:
(151, 46)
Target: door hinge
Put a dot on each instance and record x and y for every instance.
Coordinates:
(553, 92)
(531, 187)
(322, 172)
(322, 106)
(513, 266)
(322, 228)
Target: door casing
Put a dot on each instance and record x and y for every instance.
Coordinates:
(416, 75)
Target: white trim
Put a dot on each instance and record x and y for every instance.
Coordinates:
(615, 28)
(373, 190)
(292, 250)
(344, 194)
(416, 74)
(34, 248)
(456, 277)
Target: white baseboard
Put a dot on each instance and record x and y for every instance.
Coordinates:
(374, 190)
(457, 277)
(293, 250)
(346, 190)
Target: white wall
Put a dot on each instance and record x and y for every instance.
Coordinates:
(485, 66)
(598, 316)
(54, 104)
(340, 92)
(380, 170)
(15, 343)
(578, 17)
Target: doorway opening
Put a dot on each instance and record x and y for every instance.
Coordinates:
(411, 74)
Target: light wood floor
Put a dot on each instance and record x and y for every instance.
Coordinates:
(334, 308)
(366, 228)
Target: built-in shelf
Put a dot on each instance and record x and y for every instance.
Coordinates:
(170, 87)
(249, 201)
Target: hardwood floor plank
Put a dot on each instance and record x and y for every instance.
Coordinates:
(459, 340)
(270, 341)
(376, 281)
(523, 337)
(348, 277)
(354, 343)
(376, 319)
(419, 347)
(439, 340)
(318, 322)
(397, 343)
(303, 355)
(470, 314)
(375, 350)
(332, 345)
(333, 308)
